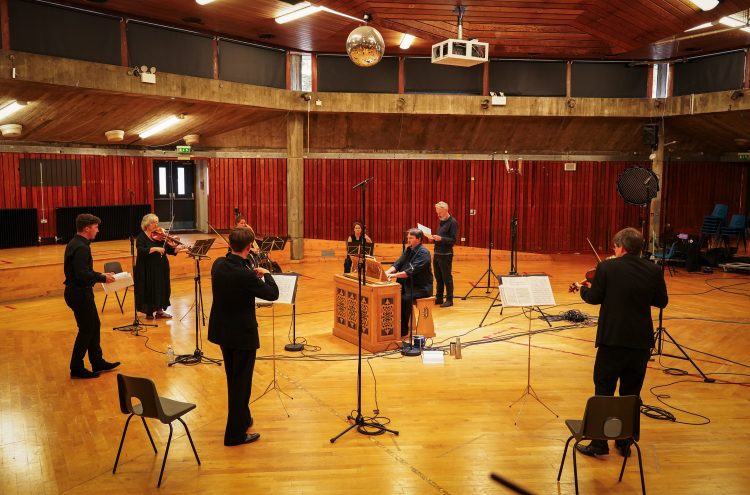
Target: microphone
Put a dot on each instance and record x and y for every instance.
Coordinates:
(363, 183)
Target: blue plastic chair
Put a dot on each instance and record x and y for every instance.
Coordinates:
(736, 227)
(720, 211)
(662, 258)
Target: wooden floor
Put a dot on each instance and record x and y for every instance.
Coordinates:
(455, 423)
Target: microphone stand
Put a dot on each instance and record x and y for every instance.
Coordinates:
(136, 326)
(489, 273)
(364, 427)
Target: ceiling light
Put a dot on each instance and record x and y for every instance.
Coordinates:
(406, 41)
(164, 124)
(303, 10)
(11, 108)
(204, 2)
(700, 26)
(731, 22)
(705, 4)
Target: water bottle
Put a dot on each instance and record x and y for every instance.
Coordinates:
(170, 355)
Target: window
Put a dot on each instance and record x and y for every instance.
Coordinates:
(660, 80)
(301, 71)
(162, 181)
(180, 181)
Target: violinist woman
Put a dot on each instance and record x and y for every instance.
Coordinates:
(240, 222)
(355, 236)
(152, 287)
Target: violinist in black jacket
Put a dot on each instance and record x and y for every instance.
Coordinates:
(233, 326)
(414, 273)
(626, 286)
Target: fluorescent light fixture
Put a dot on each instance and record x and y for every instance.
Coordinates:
(705, 4)
(746, 29)
(203, 2)
(11, 108)
(700, 26)
(164, 124)
(406, 41)
(303, 10)
(731, 22)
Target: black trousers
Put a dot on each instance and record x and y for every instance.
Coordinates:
(238, 366)
(442, 265)
(81, 301)
(407, 301)
(623, 364)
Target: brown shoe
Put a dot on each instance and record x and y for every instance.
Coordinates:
(163, 315)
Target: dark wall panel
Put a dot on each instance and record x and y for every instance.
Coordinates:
(608, 80)
(23, 229)
(60, 32)
(338, 73)
(527, 78)
(249, 64)
(707, 74)
(422, 76)
(168, 50)
(41, 172)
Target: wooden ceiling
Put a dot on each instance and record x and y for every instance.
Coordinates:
(559, 29)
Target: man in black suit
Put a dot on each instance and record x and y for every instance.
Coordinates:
(414, 274)
(626, 286)
(233, 326)
(80, 278)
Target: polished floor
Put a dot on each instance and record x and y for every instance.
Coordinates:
(455, 420)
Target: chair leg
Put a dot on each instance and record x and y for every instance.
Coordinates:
(166, 453)
(119, 303)
(622, 469)
(122, 440)
(191, 440)
(149, 434)
(640, 467)
(575, 465)
(105, 302)
(562, 462)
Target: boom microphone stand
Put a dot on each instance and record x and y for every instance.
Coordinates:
(362, 426)
(136, 326)
(489, 273)
(514, 221)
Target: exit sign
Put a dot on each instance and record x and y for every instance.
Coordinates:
(744, 156)
(183, 149)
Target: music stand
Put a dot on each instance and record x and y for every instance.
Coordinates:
(527, 292)
(198, 252)
(354, 248)
(495, 304)
(287, 284)
(272, 243)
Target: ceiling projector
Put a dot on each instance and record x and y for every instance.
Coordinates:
(461, 53)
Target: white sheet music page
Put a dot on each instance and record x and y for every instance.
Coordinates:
(287, 283)
(533, 290)
(425, 230)
(122, 280)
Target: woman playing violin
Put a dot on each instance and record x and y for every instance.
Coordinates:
(354, 236)
(152, 286)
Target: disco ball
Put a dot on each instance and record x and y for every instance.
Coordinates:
(365, 46)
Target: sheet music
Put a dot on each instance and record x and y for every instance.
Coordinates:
(122, 280)
(533, 290)
(287, 283)
(426, 230)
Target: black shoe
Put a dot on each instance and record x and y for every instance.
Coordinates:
(249, 438)
(447, 304)
(592, 450)
(623, 449)
(438, 300)
(83, 373)
(105, 366)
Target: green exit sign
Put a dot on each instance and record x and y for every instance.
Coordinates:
(183, 149)
(744, 156)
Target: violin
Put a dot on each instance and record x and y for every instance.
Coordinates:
(161, 235)
(590, 274)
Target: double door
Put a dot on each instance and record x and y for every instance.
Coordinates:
(174, 193)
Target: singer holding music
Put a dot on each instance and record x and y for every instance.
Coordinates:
(444, 239)
(414, 274)
(152, 285)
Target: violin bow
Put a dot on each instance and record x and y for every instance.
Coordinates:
(594, 250)
(217, 233)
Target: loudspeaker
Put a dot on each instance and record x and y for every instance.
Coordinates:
(650, 135)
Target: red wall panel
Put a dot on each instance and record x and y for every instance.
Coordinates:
(105, 180)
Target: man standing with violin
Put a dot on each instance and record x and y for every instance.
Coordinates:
(626, 286)
(152, 285)
(234, 327)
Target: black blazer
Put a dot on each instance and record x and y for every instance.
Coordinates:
(416, 263)
(626, 287)
(232, 322)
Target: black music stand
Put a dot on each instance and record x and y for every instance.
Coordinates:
(272, 243)
(359, 250)
(495, 304)
(198, 252)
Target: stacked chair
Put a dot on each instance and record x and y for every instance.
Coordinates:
(736, 227)
(711, 230)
